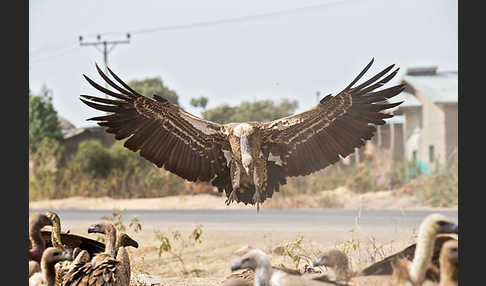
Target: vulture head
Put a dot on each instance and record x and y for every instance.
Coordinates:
(254, 259)
(54, 255)
(103, 227)
(332, 258)
(125, 240)
(437, 223)
(39, 220)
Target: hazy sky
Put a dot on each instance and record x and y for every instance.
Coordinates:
(230, 51)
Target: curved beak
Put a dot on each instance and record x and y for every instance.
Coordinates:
(91, 229)
(319, 261)
(235, 266)
(449, 228)
(67, 256)
(133, 243)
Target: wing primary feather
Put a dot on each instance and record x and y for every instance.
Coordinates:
(380, 83)
(101, 107)
(374, 78)
(159, 98)
(110, 82)
(360, 74)
(102, 100)
(122, 82)
(102, 89)
(384, 93)
(379, 107)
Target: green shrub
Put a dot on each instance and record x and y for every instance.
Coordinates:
(45, 161)
(92, 158)
(439, 189)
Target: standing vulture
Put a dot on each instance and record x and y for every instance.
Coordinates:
(248, 160)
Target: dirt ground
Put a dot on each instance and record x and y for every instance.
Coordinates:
(339, 198)
(208, 262)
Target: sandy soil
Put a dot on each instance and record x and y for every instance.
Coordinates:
(208, 262)
(339, 198)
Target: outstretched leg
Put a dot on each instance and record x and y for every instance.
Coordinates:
(235, 172)
(259, 179)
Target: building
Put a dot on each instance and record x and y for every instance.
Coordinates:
(430, 116)
(72, 136)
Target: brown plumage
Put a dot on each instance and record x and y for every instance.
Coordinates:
(449, 263)
(338, 262)
(262, 273)
(37, 243)
(403, 269)
(449, 268)
(92, 247)
(249, 161)
(50, 257)
(385, 266)
(123, 240)
(415, 272)
(34, 267)
(104, 268)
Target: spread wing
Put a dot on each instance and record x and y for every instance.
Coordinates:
(311, 140)
(164, 133)
(73, 241)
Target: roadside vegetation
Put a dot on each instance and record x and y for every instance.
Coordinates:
(97, 171)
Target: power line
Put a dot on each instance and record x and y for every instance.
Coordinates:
(106, 47)
(60, 52)
(202, 23)
(227, 20)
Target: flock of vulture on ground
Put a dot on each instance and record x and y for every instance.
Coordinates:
(61, 258)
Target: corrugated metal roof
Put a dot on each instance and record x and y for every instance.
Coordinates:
(441, 87)
(72, 132)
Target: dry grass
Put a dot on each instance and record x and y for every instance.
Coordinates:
(207, 259)
(208, 263)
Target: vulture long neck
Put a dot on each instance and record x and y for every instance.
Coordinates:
(110, 241)
(35, 236)
(449, 273)
(423, 253)
(56, 234)
(49, 272)
(342, 271)
(263, 274)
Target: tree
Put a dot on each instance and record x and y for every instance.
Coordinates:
(42, 118)
(154, 85)
(263, 110)
(201, 101)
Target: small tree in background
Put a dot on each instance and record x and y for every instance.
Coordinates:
(42, 119)
(201, 102)
(154, 85)
(262, 110)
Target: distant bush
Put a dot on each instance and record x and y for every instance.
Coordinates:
(439, 189)
(92, 158)
(43, 173)
(96, 171)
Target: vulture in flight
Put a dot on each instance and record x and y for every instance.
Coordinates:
(250, 160)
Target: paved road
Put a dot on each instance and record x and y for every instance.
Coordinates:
(275, 218)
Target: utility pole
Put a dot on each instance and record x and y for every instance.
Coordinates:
(106, 47)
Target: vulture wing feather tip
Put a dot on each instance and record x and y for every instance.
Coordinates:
(159, 98)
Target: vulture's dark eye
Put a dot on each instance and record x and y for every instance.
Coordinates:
(441, 223)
